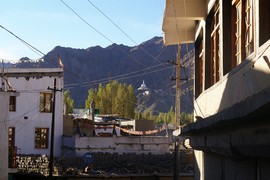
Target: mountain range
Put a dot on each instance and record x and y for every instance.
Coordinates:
(148, 62)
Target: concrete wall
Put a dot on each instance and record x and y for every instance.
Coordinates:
(122, 144)
(27, 116)
(222, 167)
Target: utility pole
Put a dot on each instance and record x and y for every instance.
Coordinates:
(54, 90)
(177, 115)
(178, 94)
(177, 126)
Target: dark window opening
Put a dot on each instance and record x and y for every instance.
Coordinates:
(199, 68)
(264, 27)
(12, 103)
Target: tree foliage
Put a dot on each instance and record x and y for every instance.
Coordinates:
(114, 98)
(68, 101)
(168, 118)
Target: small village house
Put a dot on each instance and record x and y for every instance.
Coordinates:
(30, 115)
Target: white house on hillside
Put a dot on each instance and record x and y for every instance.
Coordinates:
(30, 114)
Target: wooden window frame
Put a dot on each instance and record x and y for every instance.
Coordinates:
(41, 138)
(215, 46)
(242, 30)
(12, 103)
(249, 34)
(12, 149)
(11, 136)
(45, 102)
(199, 65)
(238, 32)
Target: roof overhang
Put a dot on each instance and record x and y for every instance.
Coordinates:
(242, 130)
(180, 18)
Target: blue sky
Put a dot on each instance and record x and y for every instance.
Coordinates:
(48, 23)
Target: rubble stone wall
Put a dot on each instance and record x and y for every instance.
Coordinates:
(129, 163)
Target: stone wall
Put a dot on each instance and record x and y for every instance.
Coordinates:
(103, 163)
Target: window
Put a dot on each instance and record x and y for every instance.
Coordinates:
(264, 23)
(45, 102)
(249, 27)
(238, 33)
(12, 150)
(215, 46)
(41, 138)
(12, 103)
(242, 30)
(199, 68)
(11, 136)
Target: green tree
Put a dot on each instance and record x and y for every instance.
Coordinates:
(111, 92)
(114, 98)
(131, 102)
(121, 96)
(92, 95)
(186, 118)
(101, 101)
(68, 101)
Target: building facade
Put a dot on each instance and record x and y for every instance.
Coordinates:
(231, 131)
(30, 114)
(4, 149)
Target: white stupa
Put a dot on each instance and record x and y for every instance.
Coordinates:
(143, 87)
(146, 90)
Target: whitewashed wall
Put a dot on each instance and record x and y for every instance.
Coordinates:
(122, 144)
(28, 116)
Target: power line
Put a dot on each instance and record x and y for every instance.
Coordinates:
(36, 50)
(155, 58)
(80, 17)
(23, 41)
(118, 27)
(97, 31)
(123, 76)
(103, 80)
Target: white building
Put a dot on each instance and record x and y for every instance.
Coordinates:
(30, 114)
(4, 105)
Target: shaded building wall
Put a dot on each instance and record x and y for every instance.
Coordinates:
(144, 125)
(4, 104)
(227, 168)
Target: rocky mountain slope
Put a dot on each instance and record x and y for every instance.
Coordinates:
(86, 68)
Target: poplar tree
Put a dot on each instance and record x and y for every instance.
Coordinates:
(131, 102)
(114, 98)
(68, 101)
(92, 95)
(111, 92)
(119, 101)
